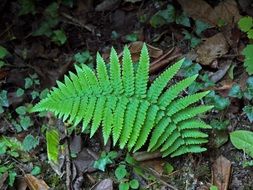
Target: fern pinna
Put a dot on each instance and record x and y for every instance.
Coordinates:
(118, 99)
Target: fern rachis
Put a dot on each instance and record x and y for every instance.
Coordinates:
(119, 100)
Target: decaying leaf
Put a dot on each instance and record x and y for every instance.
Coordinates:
(221, 172)
(226, 11)
(211, 49)
(135, 49)
(106, 184)
(35, 183)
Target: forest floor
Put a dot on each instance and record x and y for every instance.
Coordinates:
(40, 41)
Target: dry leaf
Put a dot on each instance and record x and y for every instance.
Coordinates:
(214, 47)
(198, 9)
(226, 10)
(34, 183)
(135, 49)
(221, 172)
(106, 184)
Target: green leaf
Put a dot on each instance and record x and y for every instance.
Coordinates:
(36, 170)
(250, 34)
(219, 125)
(2, 63)
(124, 186)
(3, 148)
(201, 26)
(27, 6)
(132, 37)
(243, 139)
(168, 168)
(83, 57)
(163, 17)
(44, 93)
(120, 172)
(249, 112)
(219, 102)
(104, 160)
(30, 143)
(59, 37)
(28, 82)
(25, 122)
(134, 184)
(245, 23)
(52, 10)
(21, 110)
(235, 91)
(35, 94)
(248, 93)
(183, 19)
(189, 69)
(20, 92)
(11, 177)
(53, 142)
(213, 187)
(248, 62)
(3, 52)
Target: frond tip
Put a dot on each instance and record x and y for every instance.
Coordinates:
(117, 98)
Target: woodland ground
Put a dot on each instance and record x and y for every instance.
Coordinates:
(44, 39)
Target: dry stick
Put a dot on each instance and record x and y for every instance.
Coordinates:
(75, 21)
(68, 170)
(157, 65)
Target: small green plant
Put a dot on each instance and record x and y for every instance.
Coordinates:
(127, 109)
(3, 53)
(105, 159)
(246, 25)
(50, 21)
(169, 15)
(243, 140)
(122, 176)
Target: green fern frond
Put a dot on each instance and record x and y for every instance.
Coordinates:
(117, 99)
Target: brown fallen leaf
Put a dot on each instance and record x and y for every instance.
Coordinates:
(135, 49)
(35, 183)
(226, 10)
(3, 179)
(221, 171)
(211, 49)
(106, 184)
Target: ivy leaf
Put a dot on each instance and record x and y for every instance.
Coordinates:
(120, 172)
(235, 91)
(27, 6)
(249, 112)
(20, 92)
(11, 177)
(243, 139)
(248, 62)
(4, 102)
(30, 142)
(83, 57)
(163, 17)
(134, 184)
(3, 52)
(59, 37)
(248, 93)
(53, 141)
(124, 186)
(201, 26)
(245, 23)
(25, 122)
(219, 102)
(21, 110)
(183, 19)
(103, 161)
(36, 170)
(250, 34)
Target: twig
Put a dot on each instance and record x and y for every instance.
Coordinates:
(143, 156)
(156, 66)
(68, 170)
(75, 21)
